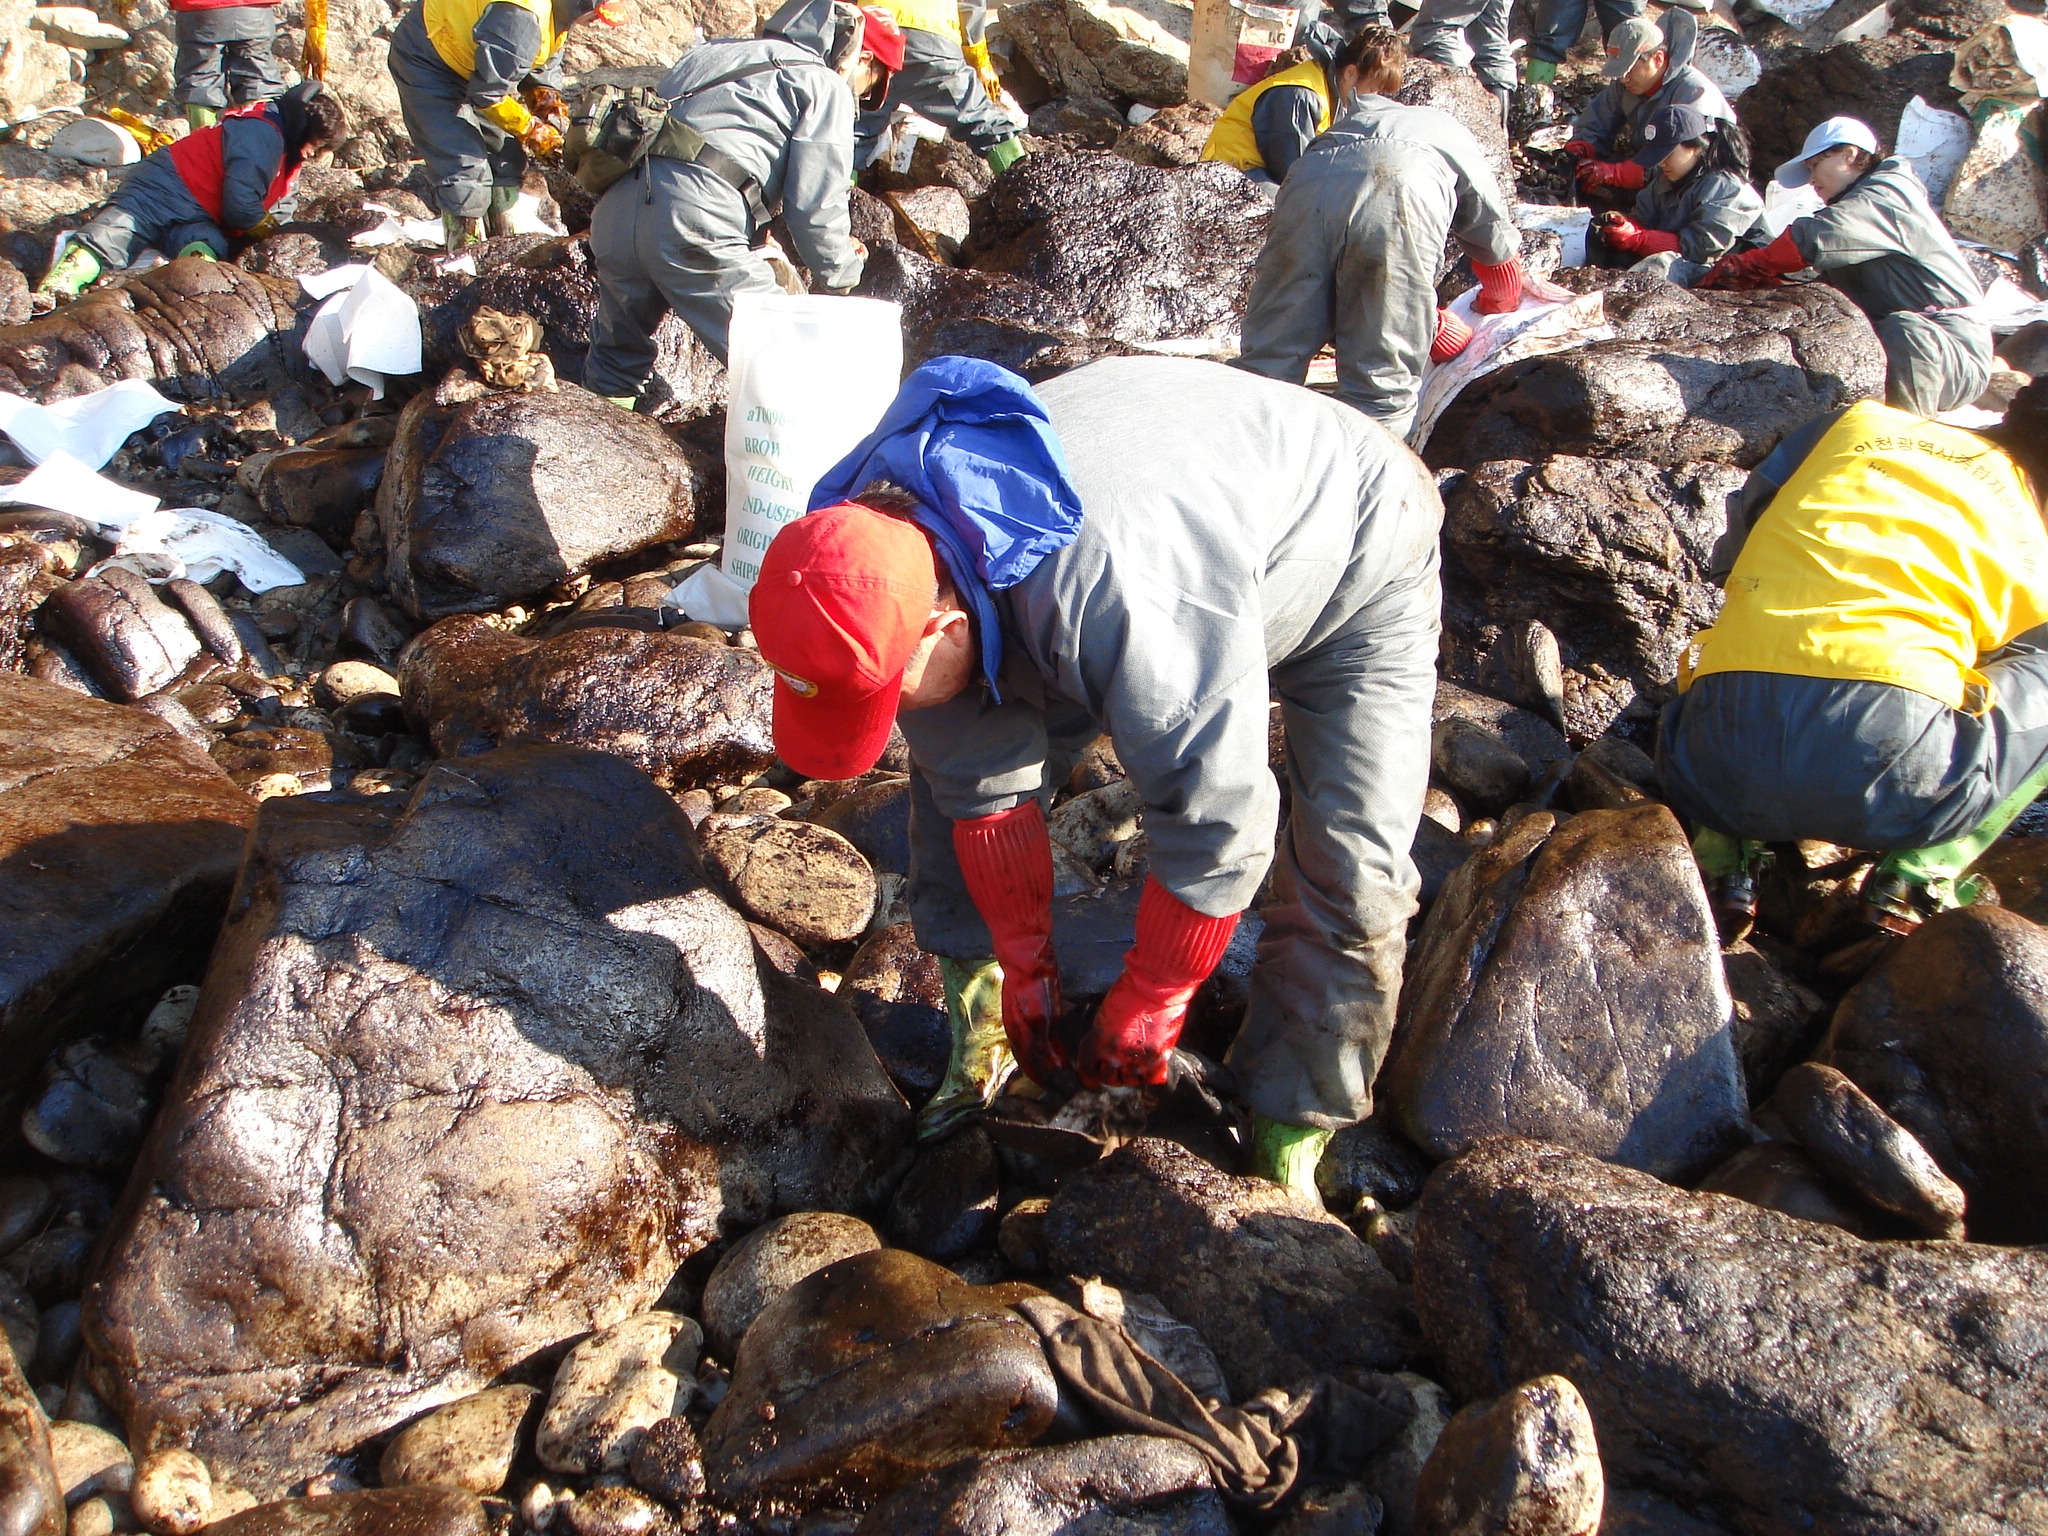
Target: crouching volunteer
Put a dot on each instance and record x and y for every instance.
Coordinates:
(213, 187)
(1878, 676)
(224, 53)
(1880, 241)
(988, 564)
(936, 80)
(469, 73)
(1698, 204)
(1357, 230)
(1267, 126)
(759, 124)
(1647, 72)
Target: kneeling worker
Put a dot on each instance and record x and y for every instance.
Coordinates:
(1647, 72)
(1698, 205)
(1267, 126)
(759, 124)
(1358, 228)
(1878, 676)
(213, 187)
(1154, 548)
(937, 81)
(1880, 241)
(468, 74)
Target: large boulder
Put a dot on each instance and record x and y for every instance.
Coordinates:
(1610, 554)
(118, 845)
(1004, 320)
(1122, 1485)
(470, 1076)
(1090, 48)
(1142, 254)
(688, 712)
(1950, 1036)
(1688, 376)
(1568, 985)
(1278, 1287)
(869, 1373)
(493, 497)
(1768, 1375)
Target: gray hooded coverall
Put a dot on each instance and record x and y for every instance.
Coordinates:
(465, 155)
(1709, 211)
(1883, 245)
(1276, 546)
(1352, 253)
(674, 235)
(1616, 110)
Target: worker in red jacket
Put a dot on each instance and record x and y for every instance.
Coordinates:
(211, 188)
(223, 56)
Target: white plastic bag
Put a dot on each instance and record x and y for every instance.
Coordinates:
(368, 330)
(1534, 328)
(87, 427)
(1934, 143)
(809, 378)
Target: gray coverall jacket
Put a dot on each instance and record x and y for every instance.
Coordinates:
(465, 155)
(1466, 34)
(1351, 255)
(1241, 541)
(673, 235)
(224, 55)
(1613, 120)
(1709, 211)
(153, 207)
(936, 82)
(1884, 246)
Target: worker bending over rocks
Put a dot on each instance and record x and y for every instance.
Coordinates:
(1358, 228)
(199, 196)
(1267, 126)
(470, 74)
(1697, 205)
(759, 125)
(1880, 241)
(1157, 549)
(1878, 676)
(938, 81)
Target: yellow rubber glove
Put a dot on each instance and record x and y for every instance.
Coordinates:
(510, 114)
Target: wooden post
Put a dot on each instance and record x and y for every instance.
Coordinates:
(1212, 52)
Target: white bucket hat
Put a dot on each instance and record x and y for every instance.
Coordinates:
(1825, 136)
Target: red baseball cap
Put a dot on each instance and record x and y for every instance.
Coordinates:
(882, 36)
(839, 607)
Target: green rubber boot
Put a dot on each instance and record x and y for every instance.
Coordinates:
(1001, 157)
(200, 249)
(981, 1051)
(624, 402)
(499, 218)
(198, 117)
(1912, 884)
(1731, 867)
(1538, 72)
(1288, 1154)
(458, 232)
(69, 274)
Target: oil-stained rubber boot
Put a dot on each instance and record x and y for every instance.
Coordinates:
(1731, 867)
(1288, 1154)
(981, 1051)
(1910, 885)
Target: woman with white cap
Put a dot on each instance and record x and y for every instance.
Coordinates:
(1879, 240)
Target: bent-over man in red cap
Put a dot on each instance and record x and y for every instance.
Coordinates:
(1154, 548)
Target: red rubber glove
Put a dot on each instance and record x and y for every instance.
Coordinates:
(1622, 175)
(1761, 268)
(1626, 235)
(1139, 1023)
(1500, 288)
(1583, 149)
(1007, 862)
(1452, 337)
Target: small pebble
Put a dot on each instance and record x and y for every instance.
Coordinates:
(165, 1029)
(347, 680)
(88, 1460)
(104, 1514)
(620, 1512)
(273, 785)
(25, 1204)
(537, 1507)
(173, 1493)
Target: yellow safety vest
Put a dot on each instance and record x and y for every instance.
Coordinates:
(940, 16)
(451, 26)
(1232, 138)
(1902, 551)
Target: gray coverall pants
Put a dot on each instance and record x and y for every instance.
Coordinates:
(1466, 34)
(224, 56)
(937, 82)
(1934, 363)
(1777, 758)
(670, 235)
(1558, 23)
(465, 156)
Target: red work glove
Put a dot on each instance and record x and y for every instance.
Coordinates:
(1622, 175)
(1139, 1023)
(1625, 234)
(1761, 268)
(1452, 337)
(1583, 149)
(1007, 862)
(1500, 288)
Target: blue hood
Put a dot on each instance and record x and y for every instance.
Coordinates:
(975, 449)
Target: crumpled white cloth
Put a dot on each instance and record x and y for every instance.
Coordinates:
(1533, 329)
(63, 484)
(89, 428)
(368, 330)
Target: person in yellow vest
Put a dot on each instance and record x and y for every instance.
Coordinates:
(468, 74)
(1878, 676)
(1266, 127)
(938, 81)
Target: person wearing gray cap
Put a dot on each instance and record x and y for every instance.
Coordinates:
(1880, 241)
(1698, 204)
(1646, 72)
